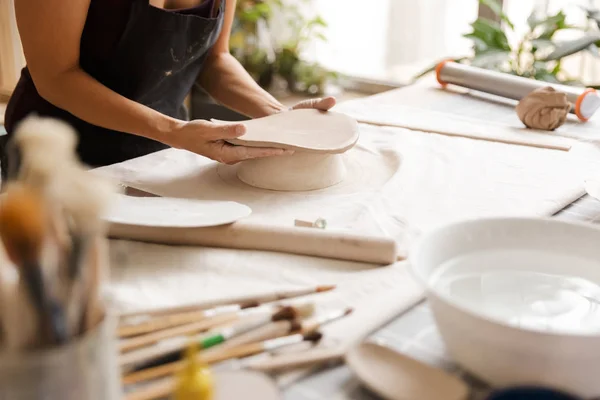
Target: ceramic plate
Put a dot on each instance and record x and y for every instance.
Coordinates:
(174, 212)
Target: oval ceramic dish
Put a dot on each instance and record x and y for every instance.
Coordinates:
(501, 352)
(174, 213)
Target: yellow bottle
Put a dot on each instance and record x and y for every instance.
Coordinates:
(195, 381)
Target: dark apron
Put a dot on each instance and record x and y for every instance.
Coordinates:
(155, 63)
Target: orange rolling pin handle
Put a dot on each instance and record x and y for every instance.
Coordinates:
(579, 101)
(438, 72)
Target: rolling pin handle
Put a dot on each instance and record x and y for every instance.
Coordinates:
(438, 72)
(579, 102)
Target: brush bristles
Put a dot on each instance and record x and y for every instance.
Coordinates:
(22, 224)
(305, 310)
(249, 304)
(313, 336)
(286, 313)
(295, 326)
(84, 197)
(44, 135)
(325, 288)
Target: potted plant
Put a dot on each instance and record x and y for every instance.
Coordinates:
(267, 59)
(538, 54)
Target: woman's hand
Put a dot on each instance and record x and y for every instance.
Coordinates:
(323, 104)
(209, 139)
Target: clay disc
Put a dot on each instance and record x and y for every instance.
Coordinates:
(307, 130)
(174, 213)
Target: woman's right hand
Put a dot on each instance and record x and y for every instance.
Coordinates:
(209, 139)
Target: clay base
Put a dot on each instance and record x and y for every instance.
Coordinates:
(298, 172)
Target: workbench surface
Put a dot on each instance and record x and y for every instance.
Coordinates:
(413, 333)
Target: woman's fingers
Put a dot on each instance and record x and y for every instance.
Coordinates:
(323, 104)
(221, 131)
(230, 154)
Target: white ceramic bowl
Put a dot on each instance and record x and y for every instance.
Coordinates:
(496, 352)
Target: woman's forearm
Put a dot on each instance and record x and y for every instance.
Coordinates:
(78, 93)
(226, 81)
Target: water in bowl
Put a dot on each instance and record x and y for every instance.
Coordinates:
(530, 289)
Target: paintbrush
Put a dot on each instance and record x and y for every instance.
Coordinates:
(146, 358)
(45, 146)
(220, 336)
(20, 321)
(296, 359)
(200, 326)
(23, 223)
(150, 324)
(84, 199)
(263, 298)
(165, 387)
(307, 326)
(283, 328)
(94, 308)
(322, 320)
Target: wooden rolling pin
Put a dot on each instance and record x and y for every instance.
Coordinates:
(294, 240)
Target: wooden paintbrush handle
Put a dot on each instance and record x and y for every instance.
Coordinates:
(298, 359)
(270, 331)
(163, 322)
(170, 368)
(189, 329)
(157, 390)
(294, 240)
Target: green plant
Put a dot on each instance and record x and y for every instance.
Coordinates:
(537, 54)
(253, 44)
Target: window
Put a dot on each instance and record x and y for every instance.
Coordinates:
(392, 39)
(395, 39)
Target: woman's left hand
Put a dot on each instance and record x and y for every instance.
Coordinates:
(323, 104)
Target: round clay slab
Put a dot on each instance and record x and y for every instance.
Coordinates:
(307, 130)
(174, 213)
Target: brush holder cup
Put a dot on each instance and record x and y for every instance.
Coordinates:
(84, 369)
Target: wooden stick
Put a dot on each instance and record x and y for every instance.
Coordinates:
(189, 329)
(156, 390)
(244, 300)
(293, 360)
(295, 240)
(164, 387)
(271, 331)
(172, 320)
(226, 354)
(249, 330)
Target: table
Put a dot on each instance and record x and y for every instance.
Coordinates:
(414, 333)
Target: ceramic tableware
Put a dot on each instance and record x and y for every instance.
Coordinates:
(174, 213)
(395, 376)
(517, 299)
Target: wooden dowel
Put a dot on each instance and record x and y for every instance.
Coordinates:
(295, 240)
